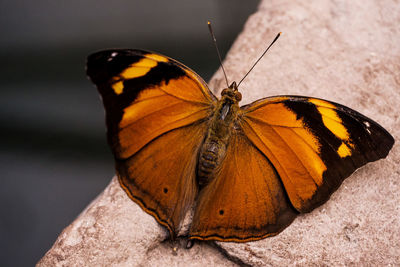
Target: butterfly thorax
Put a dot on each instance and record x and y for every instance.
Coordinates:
(213, 149)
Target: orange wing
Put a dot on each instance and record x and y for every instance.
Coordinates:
(161, 177)
(245, 201)
(313, 144)
(156, 113)
(145, 95)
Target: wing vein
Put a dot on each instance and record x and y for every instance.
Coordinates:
(283, 169)
(275, 125)
(148, 98)
(268, 188)
(295, 154)
(159, 110)
(316, 151)
(184, 99)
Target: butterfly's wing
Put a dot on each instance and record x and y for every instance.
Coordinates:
(245, 201)
(161, 176)
(287, 155)
(156, 113)
(145, 95)
(313, 144)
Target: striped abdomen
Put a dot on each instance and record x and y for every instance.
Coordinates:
(213, 149)
(211, 155)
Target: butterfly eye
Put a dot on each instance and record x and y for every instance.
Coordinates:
(225, 91)
(238, 96)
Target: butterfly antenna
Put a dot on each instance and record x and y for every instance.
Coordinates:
(276, 38)
(216, 47)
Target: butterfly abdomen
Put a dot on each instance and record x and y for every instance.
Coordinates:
(213, 149)
(211, 155)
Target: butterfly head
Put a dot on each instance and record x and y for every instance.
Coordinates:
(232, 93)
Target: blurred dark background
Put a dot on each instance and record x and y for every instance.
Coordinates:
(53, 154)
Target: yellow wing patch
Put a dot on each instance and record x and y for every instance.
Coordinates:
(344, 151)
(118, 87)
(156, 57)
(138, 69)
(333, 122)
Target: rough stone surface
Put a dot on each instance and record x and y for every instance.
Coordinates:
(343, 51)
(114, 231)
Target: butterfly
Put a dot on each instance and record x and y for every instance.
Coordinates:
(248, 171)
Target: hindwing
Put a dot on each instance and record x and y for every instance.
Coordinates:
(246, 201)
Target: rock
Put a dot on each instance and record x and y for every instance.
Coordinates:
(343, 51)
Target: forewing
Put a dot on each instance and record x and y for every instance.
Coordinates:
(145, 95)
(245, 201)
(313, 144)
(156, 114)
